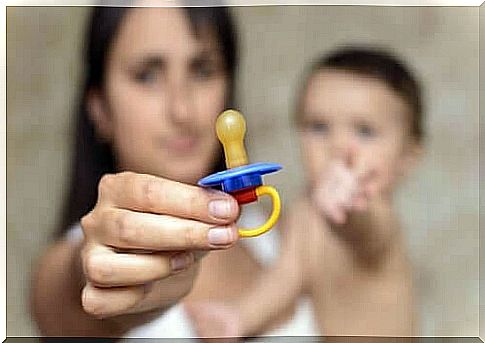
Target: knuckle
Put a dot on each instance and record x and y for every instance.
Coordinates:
(194, 199)
(127, 234)
(149, 193)
(98, 270)
(127, 175)
(105, 184)
(88, 222)
(192, 237)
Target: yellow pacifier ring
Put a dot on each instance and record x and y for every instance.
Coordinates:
(273, 218)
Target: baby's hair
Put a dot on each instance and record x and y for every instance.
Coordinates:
(379, 64)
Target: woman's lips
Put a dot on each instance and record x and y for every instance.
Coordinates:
(181, 145)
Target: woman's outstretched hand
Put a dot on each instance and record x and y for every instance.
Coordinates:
(142, 240)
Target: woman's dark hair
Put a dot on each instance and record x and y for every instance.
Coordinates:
(381, 65)
(93, 158)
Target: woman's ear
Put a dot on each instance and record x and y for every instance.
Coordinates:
(99, 115)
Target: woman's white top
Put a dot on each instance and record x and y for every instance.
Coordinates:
(175, 323)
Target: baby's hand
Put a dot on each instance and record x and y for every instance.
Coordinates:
(214, 319)
(348, 185)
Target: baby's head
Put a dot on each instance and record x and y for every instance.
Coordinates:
(362, 104)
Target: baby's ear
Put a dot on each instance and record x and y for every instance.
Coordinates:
(99, 115)
(412, 155)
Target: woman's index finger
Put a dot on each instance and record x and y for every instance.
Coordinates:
(148, 193)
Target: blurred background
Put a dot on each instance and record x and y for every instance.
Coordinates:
(438, 203)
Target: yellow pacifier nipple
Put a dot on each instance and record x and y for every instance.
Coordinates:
(231, 128)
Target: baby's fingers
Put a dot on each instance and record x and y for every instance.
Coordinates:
(359, 202)
(337, 214)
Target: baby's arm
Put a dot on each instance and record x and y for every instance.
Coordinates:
(273, 292)
(279, 286)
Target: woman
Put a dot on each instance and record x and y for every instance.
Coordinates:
(156, 80)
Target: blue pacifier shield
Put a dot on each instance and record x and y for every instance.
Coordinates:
(241, 177)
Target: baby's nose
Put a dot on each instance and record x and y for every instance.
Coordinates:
(340, 146)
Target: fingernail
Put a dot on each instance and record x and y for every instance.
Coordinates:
(219, 236)
(89, 302)
(220, 209)
(180, 261)
(85, 296)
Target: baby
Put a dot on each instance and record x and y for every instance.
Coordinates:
(359, 117)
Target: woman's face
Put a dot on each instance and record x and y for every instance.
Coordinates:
(163, 90)
(346, 115)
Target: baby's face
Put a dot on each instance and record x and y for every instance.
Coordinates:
(344, 114)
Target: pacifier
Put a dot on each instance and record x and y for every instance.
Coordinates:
(242, 180)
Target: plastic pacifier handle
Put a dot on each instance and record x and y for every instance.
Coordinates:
(273, 218)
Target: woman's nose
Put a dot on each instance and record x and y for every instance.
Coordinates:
(179, 100)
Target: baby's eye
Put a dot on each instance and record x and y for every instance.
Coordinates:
(321, 128)
(365, 131)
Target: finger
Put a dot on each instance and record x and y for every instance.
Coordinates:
(359, 203)
(147, 193)
(366, 178)
(107, 302)
(137, 230)
(336, 214)
(105, 268)
(339, 216)
(346, 189)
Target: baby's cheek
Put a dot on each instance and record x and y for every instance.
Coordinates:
(386, 174)
(320, 163)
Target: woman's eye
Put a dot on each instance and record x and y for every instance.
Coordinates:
(203, 69)
(204, 72)
(146, 76)
(365, 131)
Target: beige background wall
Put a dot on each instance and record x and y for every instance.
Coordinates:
(439, 203)
(482, 167)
